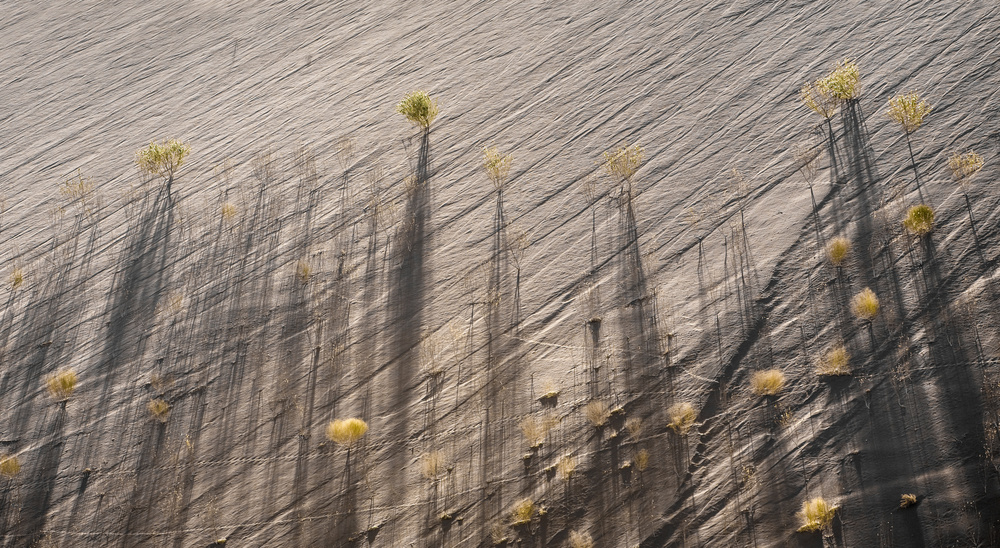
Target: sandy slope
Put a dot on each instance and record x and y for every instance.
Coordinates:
(412, 318)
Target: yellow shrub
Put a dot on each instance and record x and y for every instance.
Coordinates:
(844, 81)
(865, 305)
(624, 162)
(964, 166)
(816, 515)
(835, 362)
(419, 108)
(907, 500)
(819, 99)
(566, 467)
(62, 384)
(162, 159)
(346, 432)
(768, 382)
(597, 413)
(522, 513)
(919, 220)
(160, 409)
(10, 466)
(497, 166)
(682, 417)
(580, 540)
(908, 110)
(837, 250)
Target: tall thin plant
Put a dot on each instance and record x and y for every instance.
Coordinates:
(908, 110)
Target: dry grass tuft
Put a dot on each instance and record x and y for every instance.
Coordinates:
(16, 277)
(965, 166)
(497, 166)
(303, 271)
(431, 464)
(837, 361)
(837, 250)
(816, 515)
(907, 500)
(597, 413)
(767, 383)
(624, 162)
(580, 540)
(229, 211)
(844, 81)
(682, 417)
(10, 466)
(566, 467)
(865, 305)
(642, 459)
(908, 110)
(634, 427)
(535, 430)
(522, 513)
(162, 159)
(160, 409)
(62, 384)
(346, 432)
(419, 108)
(919, 220)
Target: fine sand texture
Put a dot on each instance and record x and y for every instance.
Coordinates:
(318, 257)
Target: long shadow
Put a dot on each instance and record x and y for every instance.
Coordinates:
(37, 502)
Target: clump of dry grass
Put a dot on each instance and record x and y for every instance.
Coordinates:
(907, 500)
(768, 382)
(816, 515)
(566, 467)
(303, 271)
(497, 166)
(908, 110)
(682, 417)
(16, 277)
(919, 220)
(634, 427)
(835, 362)
(642, 459)
(159, 409)
(965, 166)
(623, 162)
(865, 305)
(431, 464)
(162, 159)
(837, 250)
(346, 432)
(419, 108)
(522, 513)
(61, 384)
(597, 413)
(580, 540)
(229, 211)
(535, 430)
(10, 466)
(844, 81)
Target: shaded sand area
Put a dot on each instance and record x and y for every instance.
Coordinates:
(319, 258)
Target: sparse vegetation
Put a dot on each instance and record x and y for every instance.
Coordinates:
(622, 163)
(634, 427)
(837, 250)
(419, 108)
(819, 98)
(908, 110)
(16, 277)
(229, 211)
(865, 305)
(919, 220)
(159, 409)
(835, 362)
(682, 417)
(62, 384)
(597, 413)
(768, 382)
(534, 430)
(303, 271)
(580, 540)
(522, 513)
(431, 464)
(162, 159)
(907, 500)
(965, 166)
(844, 81)
(346, 432)
(566, 467)
(642, 459)
(497, 166)
(10, 466)
(816, 515)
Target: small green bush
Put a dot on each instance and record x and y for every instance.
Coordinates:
(908, 110)
(162, 159)
(419, 108)
(919, 220)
